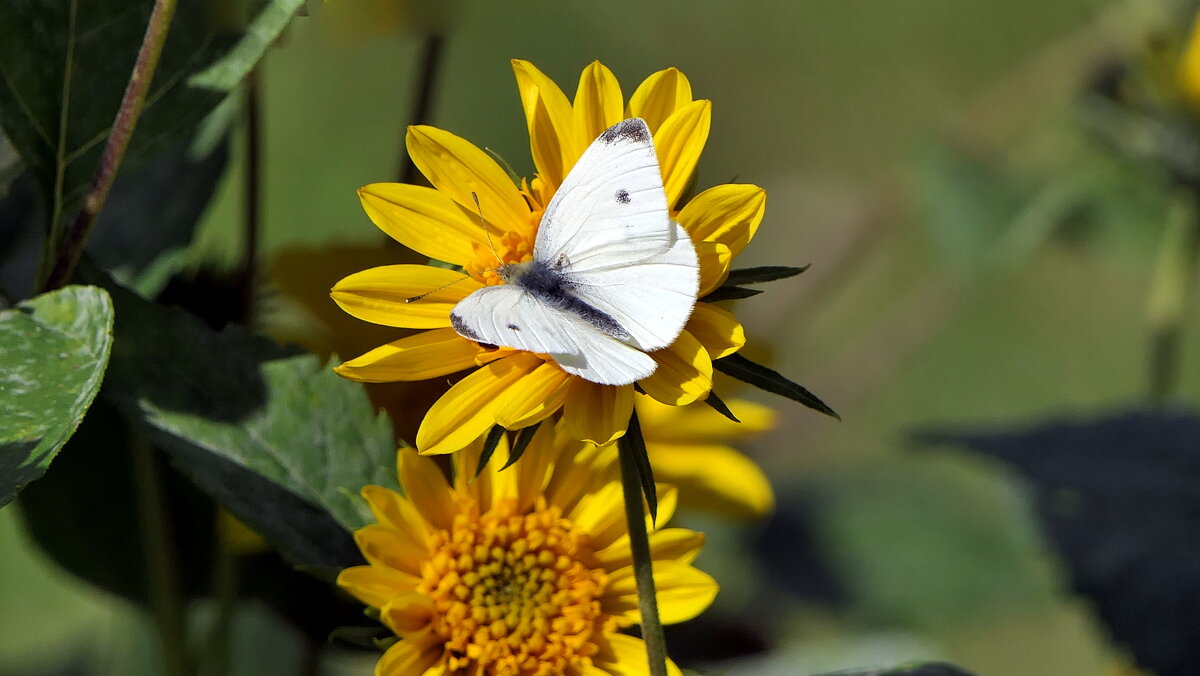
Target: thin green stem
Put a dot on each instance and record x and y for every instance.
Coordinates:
(215, 660)
(251, 195)
(1168, 296)
(635, 518)
(162, 575)
(429, 66)
(69, 248)
(54, 228)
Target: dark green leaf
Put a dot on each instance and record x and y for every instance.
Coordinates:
(148, 220)
(719, 406)
(76, 56)
(636, 444)
(1118, 496)
(925, 669)
(760, 376)
(730, 293)
(765, 273)
(489, 447)
(522, 442)
(273, 435)
(53, 351)
(83, 513)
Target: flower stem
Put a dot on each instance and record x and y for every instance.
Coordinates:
(161, 573)
(251, 195)
(431, 61)
(635, 518)
(69, 247)
(1168, 295)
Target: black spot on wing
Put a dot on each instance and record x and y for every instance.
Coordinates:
(634, 129)
(622, 196)
(514, 327)
(461, 327)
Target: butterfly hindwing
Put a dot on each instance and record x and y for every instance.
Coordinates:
(509, 316)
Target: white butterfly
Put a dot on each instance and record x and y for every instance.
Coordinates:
(612, 276)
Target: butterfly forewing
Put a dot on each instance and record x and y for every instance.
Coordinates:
(612, 274)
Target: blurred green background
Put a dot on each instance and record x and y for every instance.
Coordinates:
(976, 257)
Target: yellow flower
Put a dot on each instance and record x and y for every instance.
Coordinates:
(689, 448)
(1189, 66)
(508, 387)
(522, 571)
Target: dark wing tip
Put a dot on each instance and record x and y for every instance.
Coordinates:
(634, 129)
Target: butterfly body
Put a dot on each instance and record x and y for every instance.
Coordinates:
(612, 276)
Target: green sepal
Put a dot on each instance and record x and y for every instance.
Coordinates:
(764, 273)
(719, 406)
(489, 447)
(524, 436)
(765, 379)
(727, 292)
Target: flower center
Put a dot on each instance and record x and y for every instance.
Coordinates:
(513, 593)
(511, 248)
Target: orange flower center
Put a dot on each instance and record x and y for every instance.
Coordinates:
(510, 248)
(513, 594)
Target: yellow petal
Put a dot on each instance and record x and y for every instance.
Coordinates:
(683, 592)
(468, 410)
(598, 101)
(699, 424)
(553, 138)
(457, 168)
(408, 658)
(426, 487)
(408, 613)
(717, 329)
(535, 468)
(395, 511)
(660, 95)
(729, 214)
(622, 655)
(679, 142)
(597, 413)
(601, 512)
(382, 547)
(380, 295)
(428, 354)
(423, 220)
(541, 394)
(676, 544)
(714, 478)
(684, 372)
(714, 265)
(375, 585)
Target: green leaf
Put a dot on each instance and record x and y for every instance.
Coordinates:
(64, 65)
(765, 273)
(272, 434)
(53, 350)
(760, 376)
(730, 293)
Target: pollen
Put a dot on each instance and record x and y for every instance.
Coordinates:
(511, 248)
(515, 593)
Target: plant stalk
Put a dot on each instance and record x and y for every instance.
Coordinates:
(635, 518)
(162, 575)
(1173, 275)
(429, 66)
(70, 246)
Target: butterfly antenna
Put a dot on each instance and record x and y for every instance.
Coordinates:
(414, 299)
(486, 233)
